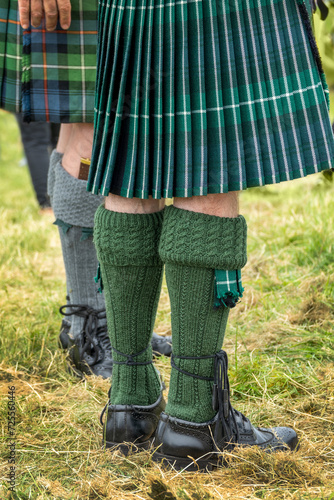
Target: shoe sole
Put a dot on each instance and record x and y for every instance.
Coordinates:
(177, 463)
(127, 448)
(208, 464)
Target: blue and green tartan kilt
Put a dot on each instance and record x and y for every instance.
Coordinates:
(10, 56)
(206, 96)
(49, 76)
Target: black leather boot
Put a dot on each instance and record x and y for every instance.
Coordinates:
(161, 345)
(89, 353)
(131, 427)
(195, 446)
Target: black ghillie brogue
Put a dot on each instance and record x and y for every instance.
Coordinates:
(89, 353)
(194, 446)
(131, 427)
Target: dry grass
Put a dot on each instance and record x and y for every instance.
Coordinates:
(279, 340)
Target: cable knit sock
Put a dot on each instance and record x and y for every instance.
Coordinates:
(74, 209)
(127, 249)
(193, 246)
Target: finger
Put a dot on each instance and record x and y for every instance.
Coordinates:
(51, 14)
(64, 9)
(36, 12)
(24, 10)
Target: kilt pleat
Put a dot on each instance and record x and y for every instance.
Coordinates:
(288, 108)
(206, 96)
(142, 174)
(10, 56)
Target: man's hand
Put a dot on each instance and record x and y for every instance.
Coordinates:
(33, 11)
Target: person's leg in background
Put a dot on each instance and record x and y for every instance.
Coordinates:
(74, 209)
(36, 140)
(84, 332)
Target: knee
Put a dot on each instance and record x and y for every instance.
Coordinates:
(79, 145)
(133, 205)
(220, 204)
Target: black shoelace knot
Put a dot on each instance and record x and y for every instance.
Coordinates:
(92, 335)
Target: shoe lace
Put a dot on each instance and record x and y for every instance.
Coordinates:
(130, 361)
(95, 337)
(220, 396)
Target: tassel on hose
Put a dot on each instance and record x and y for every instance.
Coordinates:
(63, 225)
(86, 232)
(228, 288)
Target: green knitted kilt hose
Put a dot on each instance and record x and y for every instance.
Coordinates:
(207, 96)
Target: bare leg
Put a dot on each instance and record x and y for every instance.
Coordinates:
(133, 205)
(76, 141)
(74, 209)
(220, 205)
(64, 136)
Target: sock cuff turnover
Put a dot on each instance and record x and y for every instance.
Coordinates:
(70, 200)
(201, 240)
(127, 239)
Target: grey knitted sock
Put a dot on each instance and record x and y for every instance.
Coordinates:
(74, 209)
(80, 265)
(55, 158)
(70, 200)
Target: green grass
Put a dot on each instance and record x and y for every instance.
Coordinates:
(279, 340)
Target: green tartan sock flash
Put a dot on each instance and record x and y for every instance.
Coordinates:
(228, 288)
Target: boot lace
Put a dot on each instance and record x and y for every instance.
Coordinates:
(130, 361)
(220, 397)
(95, 338)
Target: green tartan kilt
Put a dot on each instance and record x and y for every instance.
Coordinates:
(206, 96)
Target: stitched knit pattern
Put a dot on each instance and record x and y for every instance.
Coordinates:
(80, 264)
(204, 240)
(127, 249)
(198, 329)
